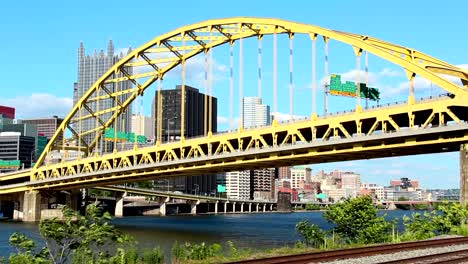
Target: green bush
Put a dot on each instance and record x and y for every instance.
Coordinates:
(357, 221)
(448, 218)
(311, 234)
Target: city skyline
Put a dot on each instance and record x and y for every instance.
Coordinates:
(54, 88)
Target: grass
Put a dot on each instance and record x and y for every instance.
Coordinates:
(244, 254)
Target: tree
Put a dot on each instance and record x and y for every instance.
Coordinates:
(88, 234)
(356, 219)
(89, 238)
(27, 252)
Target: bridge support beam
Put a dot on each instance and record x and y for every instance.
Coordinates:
(271, 207)
(264, 207)
(31, 206)
(225, 207)
(250, 207)
(193, 207)
(119, 203)
(216, 207)
(242, 207)
(464, 174)
(234, 207)
(257, 207)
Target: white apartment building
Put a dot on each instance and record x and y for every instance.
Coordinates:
(378, 190)
(142, 125)
(300, 174)
(238, 185)
(255, 113)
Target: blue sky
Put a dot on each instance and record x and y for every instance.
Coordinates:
(40, 40)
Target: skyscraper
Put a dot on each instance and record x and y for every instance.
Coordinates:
(255, 113)
(195, 116)
(194, 113)
(260, 185)
(142, 125)
(46, 126)
(90, 69)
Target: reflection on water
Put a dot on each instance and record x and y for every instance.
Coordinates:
(263, 230)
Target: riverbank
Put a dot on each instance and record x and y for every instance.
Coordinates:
(257, 230)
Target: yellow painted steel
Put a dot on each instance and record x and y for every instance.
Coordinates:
(202, 37)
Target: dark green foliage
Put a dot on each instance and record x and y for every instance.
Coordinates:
(311, 207)
(357, 221)
(311, 234)
(447, 218)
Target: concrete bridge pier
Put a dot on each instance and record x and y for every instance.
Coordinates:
(225, 207)
(216, 207)
(242, 207)
(163, 205)
(271, 207)
(31, 206)
(250, 207)
(257, 207)
(234, 207)
(464, 174)
(193, 207)
(119, 203)
(264, 208)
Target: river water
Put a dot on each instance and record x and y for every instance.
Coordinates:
(259, 230)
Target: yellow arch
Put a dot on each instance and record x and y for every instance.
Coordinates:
(208, 34)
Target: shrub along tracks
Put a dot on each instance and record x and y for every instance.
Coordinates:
(325, 256)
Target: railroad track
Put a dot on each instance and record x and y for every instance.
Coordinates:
(459, 256)
(323, 256)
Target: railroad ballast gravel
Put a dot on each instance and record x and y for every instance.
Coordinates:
(399, 255)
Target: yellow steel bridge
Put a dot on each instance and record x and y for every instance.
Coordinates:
(430, 125)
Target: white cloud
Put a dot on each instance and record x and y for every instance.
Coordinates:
(222, 120)
(39, 105)
(281, 117)
(387, 72)
(195, 71)
(195, 68)
(403, 87)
